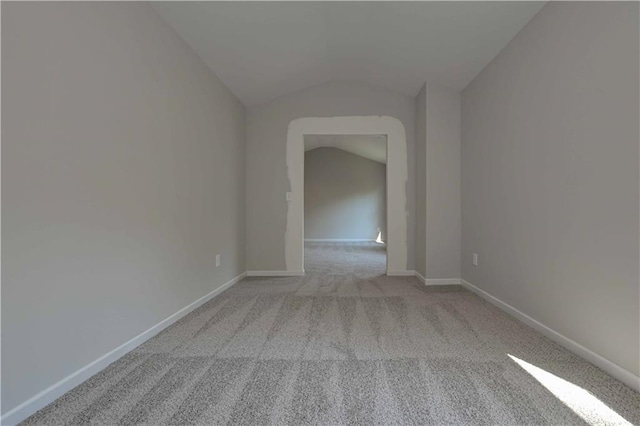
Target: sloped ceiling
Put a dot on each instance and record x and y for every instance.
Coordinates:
(373, 147)
(262, 50)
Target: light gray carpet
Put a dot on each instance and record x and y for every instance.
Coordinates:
(342, 345)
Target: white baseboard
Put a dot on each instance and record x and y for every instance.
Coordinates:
(442, 281)
(402, 273)
(436, 281)
(275, 273)
(42, 399)
(339, 240)
(625, 376)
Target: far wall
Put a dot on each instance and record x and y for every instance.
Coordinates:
(344, 195)
(267, 181)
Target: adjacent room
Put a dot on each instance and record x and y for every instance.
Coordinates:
(328, 213)
(345, 209)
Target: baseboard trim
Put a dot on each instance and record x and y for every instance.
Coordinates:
(339, 240)
(443, 281)
(402, 273)
(50, 394)
(437, 281)
(625, 376)
(275, 273)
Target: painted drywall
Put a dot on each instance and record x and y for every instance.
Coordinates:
(123, 177)
(344, 195)
(550, 176)
(438, 224)
(267, 181)
(421, 181)
(442, 212)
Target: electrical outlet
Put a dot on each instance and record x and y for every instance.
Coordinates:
(475, 259)
(217, 260)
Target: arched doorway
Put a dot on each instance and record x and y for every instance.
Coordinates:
(397, 175)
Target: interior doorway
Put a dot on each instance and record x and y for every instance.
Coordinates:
(396, 181)
(345, 211)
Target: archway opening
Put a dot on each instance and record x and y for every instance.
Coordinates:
(396, 178)
(345, 204)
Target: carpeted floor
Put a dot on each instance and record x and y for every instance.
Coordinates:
(344, 345)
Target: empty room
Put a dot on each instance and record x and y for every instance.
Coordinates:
(345, 204)
(328, 213)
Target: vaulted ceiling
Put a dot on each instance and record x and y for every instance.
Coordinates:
(262, 50)
(372, 147)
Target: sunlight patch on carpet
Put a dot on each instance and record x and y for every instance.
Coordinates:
(584, 404)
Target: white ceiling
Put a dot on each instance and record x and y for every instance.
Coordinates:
(262, 50)
(373, 147)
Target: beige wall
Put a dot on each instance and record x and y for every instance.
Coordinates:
(550, 175)
(438, 225)
(421, 181)
(267, 182)
(443, 222)
(122, 178)
(344, 195)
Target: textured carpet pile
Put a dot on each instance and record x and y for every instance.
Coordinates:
(344, 344)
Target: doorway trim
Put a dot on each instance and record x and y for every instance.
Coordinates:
(397, 176)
